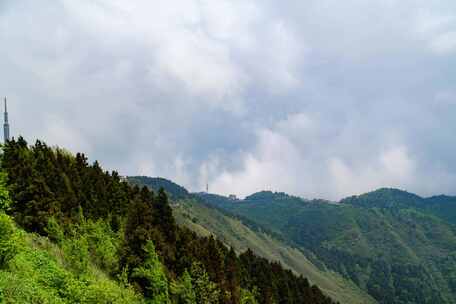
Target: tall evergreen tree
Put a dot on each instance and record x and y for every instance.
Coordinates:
(139, 229)
(150, 275)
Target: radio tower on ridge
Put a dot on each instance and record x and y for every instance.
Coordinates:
(6, 131)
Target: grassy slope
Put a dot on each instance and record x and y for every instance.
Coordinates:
(205, 221)
(39, 271)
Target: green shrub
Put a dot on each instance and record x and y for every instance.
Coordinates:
(54, 231)
(76, 254)
(152, 277)
(206, 291)
(249, 297)
(10, 239)
(182, 291)
(5, 201)
(103, 245)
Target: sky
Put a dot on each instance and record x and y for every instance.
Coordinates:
(317, 98)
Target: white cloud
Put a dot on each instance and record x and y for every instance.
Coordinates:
(313, 98)
(196, 45)
(312, 166)
(273, 164)
(389, 168)
(437, 28)
(65, 135)
(444, 43)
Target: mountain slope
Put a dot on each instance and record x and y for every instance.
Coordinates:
(234, 232)
(389, 242)
(83, 216)
(173, 190)
(35, 270)
(243, 234)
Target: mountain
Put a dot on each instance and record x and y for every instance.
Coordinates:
(397, 246)
(442, 206)
(243, 234)
(173, 190)
(71, 232)
(386, 198)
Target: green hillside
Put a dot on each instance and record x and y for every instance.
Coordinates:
(71, 232)
(397, 246)
(36, 270)
(234, 232)
(243, 234)
(443, 206)
(173, 190)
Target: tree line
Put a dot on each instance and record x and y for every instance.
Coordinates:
(54, 190)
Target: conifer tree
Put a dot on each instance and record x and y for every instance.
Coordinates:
(139, 229)
(165, 217)
(206, 291)
(183, 291)
(50, 188)
(232, 277)
(151, 277)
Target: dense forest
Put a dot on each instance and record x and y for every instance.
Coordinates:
(395, 245)
(83, 235)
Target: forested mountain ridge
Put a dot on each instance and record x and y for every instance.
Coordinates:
(234, 231)
(241, 234)
(173, 190)
(109, 229)
(398, 246)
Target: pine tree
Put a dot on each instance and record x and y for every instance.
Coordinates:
(232, 277)
(151, 277)
(206, 291)
(165, 217)
(139, 230)
(183, 291)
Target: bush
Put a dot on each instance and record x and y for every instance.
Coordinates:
(5, 201)
(182, 290)
(249, 297)
(10, 239)
(54, 231)
(103, 245)
(206, 291)
(76, 255)
(151, 277)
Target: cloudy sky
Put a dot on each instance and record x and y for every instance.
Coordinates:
(318, 98)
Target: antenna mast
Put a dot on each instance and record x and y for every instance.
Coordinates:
(6, 130)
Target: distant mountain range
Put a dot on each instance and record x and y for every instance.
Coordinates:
(394, 245)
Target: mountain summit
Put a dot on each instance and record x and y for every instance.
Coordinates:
(386, 198)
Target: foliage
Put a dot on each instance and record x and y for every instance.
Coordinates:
(156, 183)
(77, 251)
(206, 291)
(152, 276)
(182, 291)
(103, 244)
(248, 297)
(10, 239)
(393, 244)
(40, 272)
(241, 236)
(5, 200)
(54, 231)
(99, 221)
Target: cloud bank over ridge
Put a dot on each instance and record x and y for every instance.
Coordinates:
(315, 98)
